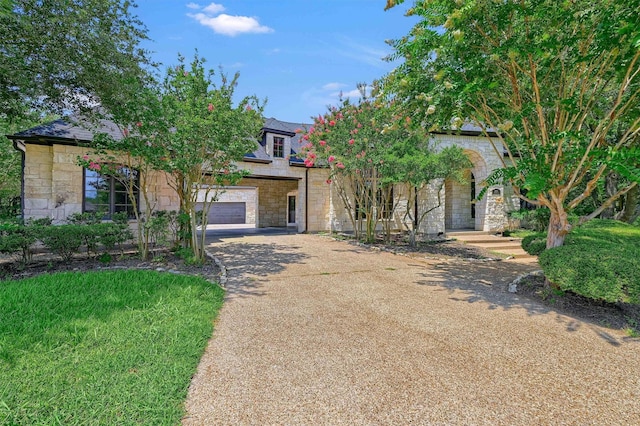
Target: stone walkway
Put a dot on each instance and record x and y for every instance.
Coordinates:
(316, 331)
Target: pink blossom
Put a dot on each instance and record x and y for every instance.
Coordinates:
(351, 141)
(354, 132)
(125, 131)
(340, 166)
(298, 130)
(322, 143)
(210, 107)
(305, 137)
(249, 108)
(311, 130)
(359, 125)
(85, 157)
(139, 124)
(312, 155)
(340, 116)
(332, 123)
(331, 158)
(94, 166)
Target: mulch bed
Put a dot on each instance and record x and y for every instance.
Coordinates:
(162, 260)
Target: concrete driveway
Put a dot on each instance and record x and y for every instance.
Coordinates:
(316, 331)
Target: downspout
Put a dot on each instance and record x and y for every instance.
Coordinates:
(19, 146)
(306, 200)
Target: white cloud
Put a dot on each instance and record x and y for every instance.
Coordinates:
(195, 6)
(333, 86)
(352, 94)
(227, 24)
(328, 95)
(214, 9)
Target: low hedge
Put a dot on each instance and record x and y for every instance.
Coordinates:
(599, 260)
(62, 240)
(535, 244)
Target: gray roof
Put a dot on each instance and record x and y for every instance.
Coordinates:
(70, 129)
(287, 127)
(76, 130)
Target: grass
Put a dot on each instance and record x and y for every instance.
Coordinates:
(110, 347)
(600, 260)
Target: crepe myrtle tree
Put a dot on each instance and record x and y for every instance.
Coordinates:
(187, 127)
(559, 83)
(370, 148)
(130, 160)
(204, 133)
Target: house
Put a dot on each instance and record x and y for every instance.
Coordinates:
(279, 190)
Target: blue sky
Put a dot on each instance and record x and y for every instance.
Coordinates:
(297, 53)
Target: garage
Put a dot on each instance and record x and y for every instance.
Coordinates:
(227, 213)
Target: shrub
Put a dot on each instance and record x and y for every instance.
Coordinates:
(158, 226)
(16, 238)
(88, 218)
(111, 234)
(64, 240)
(537, 219)
(535, 244)
(599, 260)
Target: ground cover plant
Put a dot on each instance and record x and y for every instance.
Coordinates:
(102, 347)
(599, 260)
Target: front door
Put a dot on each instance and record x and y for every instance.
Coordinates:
(291, 215)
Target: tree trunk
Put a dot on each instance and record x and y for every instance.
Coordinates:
(611, 187)
(630, 205)
(559, 227)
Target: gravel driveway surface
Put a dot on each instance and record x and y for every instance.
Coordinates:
(321, 332)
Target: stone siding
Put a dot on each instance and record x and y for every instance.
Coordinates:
(53, 183)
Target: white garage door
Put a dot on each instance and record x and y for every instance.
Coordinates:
(227, 213)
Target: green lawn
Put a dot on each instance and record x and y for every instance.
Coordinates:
(111, 347)
(600, 260)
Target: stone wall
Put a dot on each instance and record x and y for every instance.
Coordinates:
(272, 200)
(53, 183)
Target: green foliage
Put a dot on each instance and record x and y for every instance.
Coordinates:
(558, 83)
(370, 147)
(111, 235)
(536, 219)
(163, 227)
(123, 345)
(600, 260)
(16, 238)
(535, 244)
(88, 51)
(64, 240)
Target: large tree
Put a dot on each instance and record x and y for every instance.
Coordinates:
(558, 81)
(63, 54)
(370, 148)
(203, 132)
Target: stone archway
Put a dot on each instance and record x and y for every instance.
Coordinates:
(460, 212)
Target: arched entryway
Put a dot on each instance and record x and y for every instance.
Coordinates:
(461, 211)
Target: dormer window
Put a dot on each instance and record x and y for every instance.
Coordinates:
(278, 147)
